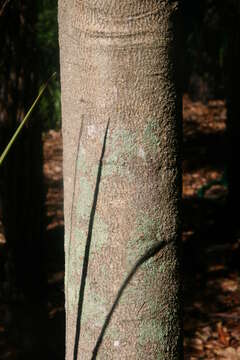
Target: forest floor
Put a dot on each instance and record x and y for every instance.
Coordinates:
(211, 251)
(210, 259)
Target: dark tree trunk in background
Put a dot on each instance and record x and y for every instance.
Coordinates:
(233, 109)
(21, 175)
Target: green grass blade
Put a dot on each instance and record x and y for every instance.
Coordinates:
(23, 122)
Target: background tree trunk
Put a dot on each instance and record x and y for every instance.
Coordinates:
(121, 130)
(231, 16)
(21, 175)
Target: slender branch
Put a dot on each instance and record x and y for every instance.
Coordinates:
(3, 7)
(23, 122)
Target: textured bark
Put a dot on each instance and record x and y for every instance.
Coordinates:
(121, 131)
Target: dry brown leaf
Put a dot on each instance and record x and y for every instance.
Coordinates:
(223, 334)
(229, 285)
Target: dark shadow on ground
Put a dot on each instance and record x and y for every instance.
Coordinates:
(55, 263)
(19, 320)
(204, 150)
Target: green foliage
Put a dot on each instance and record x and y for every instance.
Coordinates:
(47, 41)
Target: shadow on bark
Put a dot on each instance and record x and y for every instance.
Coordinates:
(87, 248)
(148, 254)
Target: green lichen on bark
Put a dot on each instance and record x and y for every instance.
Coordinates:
(72, 298)
(99, 237)
(82, 164)
(121, 147)
(143, 237)
(116, 65)
(151, 137)
(151, 331)
(94, 307)
(84, 199)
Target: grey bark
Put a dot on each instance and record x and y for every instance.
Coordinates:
(122, 182)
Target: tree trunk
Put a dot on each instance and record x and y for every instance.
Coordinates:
(121, 113)
(232, 70)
